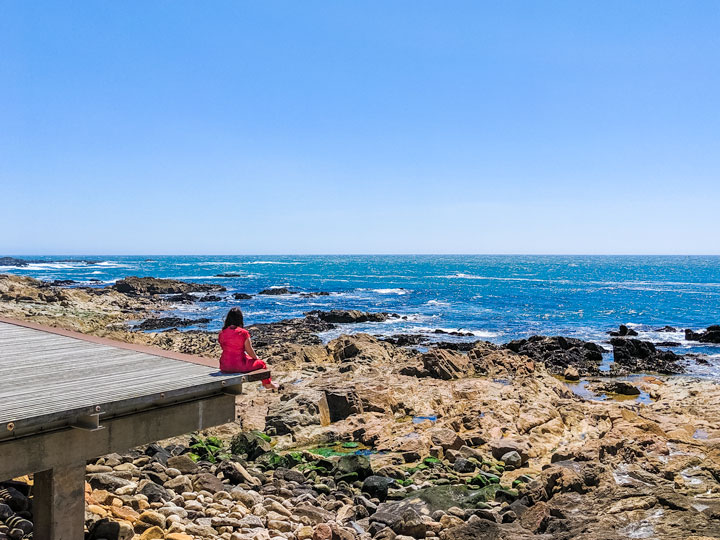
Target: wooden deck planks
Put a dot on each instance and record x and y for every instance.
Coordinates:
(44, 374)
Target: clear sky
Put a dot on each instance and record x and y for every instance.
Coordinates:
(174, 127)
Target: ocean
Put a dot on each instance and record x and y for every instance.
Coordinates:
(495, 297)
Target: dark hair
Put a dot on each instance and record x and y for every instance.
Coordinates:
(234, 318)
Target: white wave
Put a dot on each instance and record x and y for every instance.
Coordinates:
(239, 263)
(476, 333)
(391, 291)
(436, 303)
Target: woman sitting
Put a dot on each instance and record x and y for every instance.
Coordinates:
(238, 355)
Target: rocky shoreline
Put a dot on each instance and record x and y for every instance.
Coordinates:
(399, 438)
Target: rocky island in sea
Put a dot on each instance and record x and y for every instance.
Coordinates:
(400, 437)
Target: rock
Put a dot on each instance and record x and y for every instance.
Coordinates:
(558, 353)
(237, 474)
(445, 438)
(637, 355)
(169, 322)
(711, 335)
(252, 443)
(151, 286)
(107, 481)
(322, 532)
(210, 298)
(501, 447)
(352, 463)
(463, 466)
(623, 331)
(241, 296)
(666, 329)
(512, 459)
(183, 463)
(351, 316)
(153, 533)
(341, 404)
(535, 518)
(314, 294)
(474, 529)
(571, 374)
(446, 365)
(377, 486)
(153, 492)
(12, 261)
(179, 484)
(110, 530)
(276, 291)
(153, 519)
(314, 514)
(208, 482)
(411, 524)
(619, 387)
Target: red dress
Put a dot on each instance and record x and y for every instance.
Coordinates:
(233, 358)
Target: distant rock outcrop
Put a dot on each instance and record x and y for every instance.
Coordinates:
(144, 286)
(711, 335)
(557, 353)
(351, 316)
(636, 355)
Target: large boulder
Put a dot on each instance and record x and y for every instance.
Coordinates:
(637, 355)
(711, 335)
(558, 352)
(354, 464)
(150, 286)
(251, 443)
(351, 316)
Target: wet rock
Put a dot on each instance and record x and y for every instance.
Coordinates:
(619, 387)
(210, 298)
(711, 335)
(350, 316)
(151, 286)
(623, 331)
(636, 355)
(558, 353)
(377, 486)
(241, 296)
(169, 322)
(463, 465)
(251, 443)
(276, 291)
(354, 464)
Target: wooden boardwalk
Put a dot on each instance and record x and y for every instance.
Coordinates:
(49, 378)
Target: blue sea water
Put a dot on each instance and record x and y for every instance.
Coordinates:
(498, 298)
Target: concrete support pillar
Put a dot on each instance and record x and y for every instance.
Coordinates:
(59, 503)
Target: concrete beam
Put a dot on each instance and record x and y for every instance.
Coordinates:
(59, 503)
(67, 447)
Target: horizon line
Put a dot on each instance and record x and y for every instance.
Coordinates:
(368, 254)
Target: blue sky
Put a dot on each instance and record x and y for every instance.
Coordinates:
(359, 127)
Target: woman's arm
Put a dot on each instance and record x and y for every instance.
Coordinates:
(249, 349)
